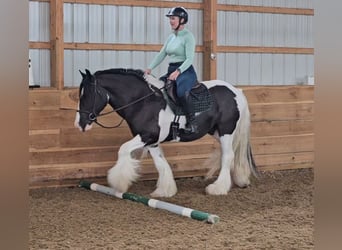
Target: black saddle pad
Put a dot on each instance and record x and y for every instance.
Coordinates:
(200, 97)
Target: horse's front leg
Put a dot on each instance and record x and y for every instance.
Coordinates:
(124, 172)
(166, 185)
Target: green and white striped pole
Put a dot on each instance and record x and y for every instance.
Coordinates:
(188, 212)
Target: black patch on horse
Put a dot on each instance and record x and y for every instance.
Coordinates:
(199, 94)
(135, 72)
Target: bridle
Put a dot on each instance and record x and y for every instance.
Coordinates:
(92, 116)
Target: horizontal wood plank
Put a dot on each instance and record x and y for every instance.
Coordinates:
(266, 94)
(282, 111)
(279, 128)
(42, 139)
(44, 119)
(44, 100)
(283, 144)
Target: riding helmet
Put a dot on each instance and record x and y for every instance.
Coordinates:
(180, 12)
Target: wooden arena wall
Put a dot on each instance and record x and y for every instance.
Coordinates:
(60, 155)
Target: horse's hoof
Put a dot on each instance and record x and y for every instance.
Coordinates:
(242, 183)
(161, 193)
(214, 189)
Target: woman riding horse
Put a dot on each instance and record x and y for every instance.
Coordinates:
(180, 47)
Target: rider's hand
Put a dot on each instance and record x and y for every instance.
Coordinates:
(148, 71)
(173, 76)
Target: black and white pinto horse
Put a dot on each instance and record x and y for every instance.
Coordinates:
(138, 99)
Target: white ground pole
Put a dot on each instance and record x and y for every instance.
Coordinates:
(187, 212)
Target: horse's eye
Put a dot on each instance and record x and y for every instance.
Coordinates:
(92, 117)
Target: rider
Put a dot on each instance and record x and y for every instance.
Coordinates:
(180, 47)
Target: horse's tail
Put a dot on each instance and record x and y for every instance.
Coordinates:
(243, 158)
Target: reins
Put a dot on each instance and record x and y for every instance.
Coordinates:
(93, 117)
(115, 110)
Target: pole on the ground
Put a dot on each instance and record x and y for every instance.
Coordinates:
(188, 212)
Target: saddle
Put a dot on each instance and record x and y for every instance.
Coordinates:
(199, 94)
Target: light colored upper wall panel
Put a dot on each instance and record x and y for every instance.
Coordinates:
(243, 68)
(255, 69)
(96, 59)
(110, 24)
(139, 25)
(123, 24)
(290, 31)
(268, 30)
(195, 25)
(264, 29)
(271, 3)
(39, 22)
(69, 68)
(68, 15)
(80, 23)
(310, 61)
(227, 28)
(227, 67)
(301, 66)
(278, 69)
(154, 34)
(228, 1)
(256, 29)
(264, 69)
(244, 31)
(95, 23)
(40, 65)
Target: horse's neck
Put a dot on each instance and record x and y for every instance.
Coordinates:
(123, 91)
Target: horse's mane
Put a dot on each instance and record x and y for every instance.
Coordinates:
(134, 72)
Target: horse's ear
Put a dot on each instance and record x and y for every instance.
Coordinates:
(88, 73)
(83, 74)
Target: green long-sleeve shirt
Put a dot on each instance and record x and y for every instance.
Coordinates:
(179, 47)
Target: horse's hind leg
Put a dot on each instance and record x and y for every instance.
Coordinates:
(223, 183)
(166, 185)
(121, 176)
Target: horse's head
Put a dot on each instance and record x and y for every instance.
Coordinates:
(92, 100)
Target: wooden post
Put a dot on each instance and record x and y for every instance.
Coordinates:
(209, 39)
(57, 44)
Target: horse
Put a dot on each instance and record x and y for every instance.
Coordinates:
(138, 99)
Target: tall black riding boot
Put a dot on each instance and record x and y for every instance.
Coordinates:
(191, 124)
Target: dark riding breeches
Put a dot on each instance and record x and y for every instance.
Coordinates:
(185, 81)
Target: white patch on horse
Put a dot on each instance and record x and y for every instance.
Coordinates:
(165, 118)
(124, 173)
(77, 118)
(81, 92)
(166, 185)
(77, 121)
